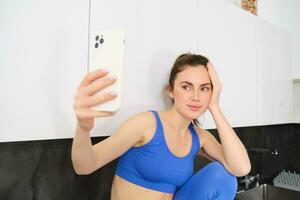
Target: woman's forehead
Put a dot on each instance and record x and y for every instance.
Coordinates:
(195, 75)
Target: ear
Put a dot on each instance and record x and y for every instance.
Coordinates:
(170, 91)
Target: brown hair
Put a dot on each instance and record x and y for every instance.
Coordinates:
(181, 62)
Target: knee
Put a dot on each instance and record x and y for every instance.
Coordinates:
(213, 181)
(219, 174)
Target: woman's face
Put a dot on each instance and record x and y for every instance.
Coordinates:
(192, 91)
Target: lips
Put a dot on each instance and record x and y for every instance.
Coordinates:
(194, 108)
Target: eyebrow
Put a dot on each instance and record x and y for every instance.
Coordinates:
(189, 83)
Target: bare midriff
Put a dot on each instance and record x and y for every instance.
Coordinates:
(125, 190)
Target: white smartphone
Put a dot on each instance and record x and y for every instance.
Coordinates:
(106, 49)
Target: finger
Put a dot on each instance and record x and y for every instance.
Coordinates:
(210, 66)
(210, 73)
(88, 113)
(90, 77)
(98, 85)
(103, 113)
(213, 73)
(89, 101)
(216, 78)
(215, 82)
(212, 69)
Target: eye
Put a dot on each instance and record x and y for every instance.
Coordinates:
(207, 88)
(185, 87)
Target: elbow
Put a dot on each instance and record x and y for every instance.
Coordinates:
(244, 170)
(243, 173)
(247, 168)
(80, 171)
(83, 166)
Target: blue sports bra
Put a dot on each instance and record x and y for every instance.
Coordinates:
(154, 166)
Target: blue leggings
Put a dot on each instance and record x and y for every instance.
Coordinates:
(212, 182)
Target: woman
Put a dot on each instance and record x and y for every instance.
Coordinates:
(157, 155)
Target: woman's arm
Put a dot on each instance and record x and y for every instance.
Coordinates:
(87, 158)
(83, 156)
(232, 152)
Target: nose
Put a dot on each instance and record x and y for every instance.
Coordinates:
(195, 96)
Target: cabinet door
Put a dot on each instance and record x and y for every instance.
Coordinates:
(43, 58)
(168, 29)
(227, 35)
(285, 14)
(296, 102)
(275, 89)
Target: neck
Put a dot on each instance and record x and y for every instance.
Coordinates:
(177, 121)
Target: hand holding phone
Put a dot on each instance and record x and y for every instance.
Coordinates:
(85, 98)
(106, 51)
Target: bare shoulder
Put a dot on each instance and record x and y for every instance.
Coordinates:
(139, 122)
(130, 133)
(143, 120)
(201, 134)
(147, 126)
(140, 125)
(205, 137)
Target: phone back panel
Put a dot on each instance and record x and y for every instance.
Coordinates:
(106, 51)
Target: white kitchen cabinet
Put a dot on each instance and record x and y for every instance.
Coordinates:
(44, 55)
(253, 60)
(227, 35)
(275, 89)
(43, 58)
(296, 101)
(284, 14)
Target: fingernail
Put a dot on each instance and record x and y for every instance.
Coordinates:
(105, 69)
(113, 93)
(112, 77)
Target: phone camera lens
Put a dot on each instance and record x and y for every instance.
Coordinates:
(101, 41)
(96, 45)
(97, 37)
